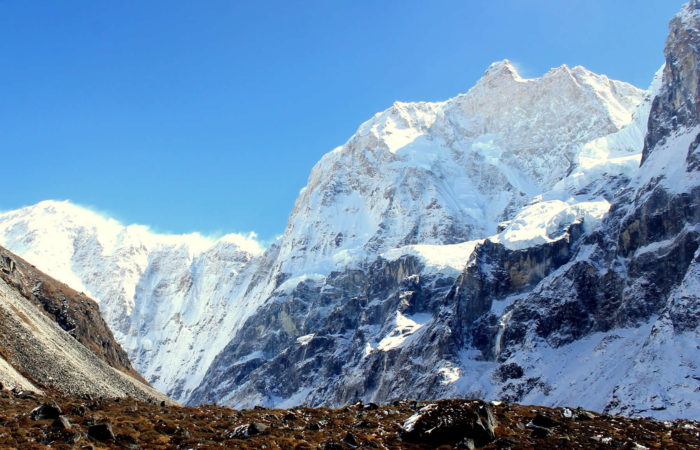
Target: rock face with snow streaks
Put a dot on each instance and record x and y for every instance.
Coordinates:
(418, 173)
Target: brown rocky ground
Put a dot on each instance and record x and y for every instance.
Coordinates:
(30, 421)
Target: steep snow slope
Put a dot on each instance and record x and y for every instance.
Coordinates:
(447, 172)
(165, 297)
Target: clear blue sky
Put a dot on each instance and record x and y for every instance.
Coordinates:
(208, 115)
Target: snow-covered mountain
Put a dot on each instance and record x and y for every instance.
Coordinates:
(503, 243)
(166, 297)
(448, 172)
(417, 173)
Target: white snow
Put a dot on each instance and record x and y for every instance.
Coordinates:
(405, 326)
(304, 340)
(449, 259)
(544, 221)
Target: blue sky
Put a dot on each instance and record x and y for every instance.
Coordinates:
(208, 115)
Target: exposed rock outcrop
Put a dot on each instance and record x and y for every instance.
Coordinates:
(38, 353)
(73, 311)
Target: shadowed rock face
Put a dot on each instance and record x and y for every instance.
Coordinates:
(678, 105)
(74, 312)
(378, 333)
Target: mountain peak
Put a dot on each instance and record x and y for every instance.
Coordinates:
(500, 69)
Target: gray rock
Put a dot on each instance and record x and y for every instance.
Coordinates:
(63, 423)
(102, 432)
(49, 410)
(449, 423)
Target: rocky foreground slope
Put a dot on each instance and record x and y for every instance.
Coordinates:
(54, 339)
(63, 422)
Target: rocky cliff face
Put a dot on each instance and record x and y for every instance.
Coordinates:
(53, 339)
(74, 312)
(677, 106)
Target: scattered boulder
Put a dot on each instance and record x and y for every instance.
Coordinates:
(49, 410)
(72, 438)
(350, 439)
(62, 423)
(25, 395)
(248, 429)
(127, 441)
(541, 433)
(102, 432)
(582, 414)
(364, 424)
(313, 426)
(451, 423)
(544, 421)
(257, 428)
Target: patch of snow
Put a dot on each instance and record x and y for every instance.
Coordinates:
(451, 258)
(304, 340)
(405, 326)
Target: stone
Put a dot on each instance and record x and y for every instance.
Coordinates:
(62, 422)
(102, 432)
(542, 420)
(582, 414)
(350, 439)
(49, 410)
(541, 433)
(257, 428)
(248, 429)
(363, 424)
(449, 423)
(313, 426)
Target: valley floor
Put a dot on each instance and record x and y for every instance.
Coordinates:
(31, 421)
